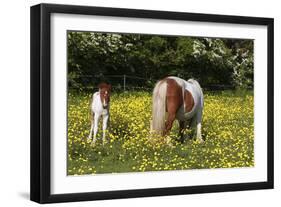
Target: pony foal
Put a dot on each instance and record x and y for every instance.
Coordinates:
(100, 108)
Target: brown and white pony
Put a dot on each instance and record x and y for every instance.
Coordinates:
(181, 100)
(100, 108)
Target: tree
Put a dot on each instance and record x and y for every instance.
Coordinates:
(95, 57)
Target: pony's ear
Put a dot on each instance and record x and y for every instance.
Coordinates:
(101, 85)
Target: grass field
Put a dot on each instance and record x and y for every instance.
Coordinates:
(228, 131)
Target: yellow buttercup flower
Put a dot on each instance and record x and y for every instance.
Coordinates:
(228, 130)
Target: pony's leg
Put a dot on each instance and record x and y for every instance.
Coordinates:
(181, 128)
(96, 124)
(104, 126)
(199, 126)
(187, 124)
(168, 126)
(183, 125)
(199, 135)
(193, 125)
(169, 123)
(92, 127)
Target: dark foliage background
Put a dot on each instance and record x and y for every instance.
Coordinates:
(138, 60)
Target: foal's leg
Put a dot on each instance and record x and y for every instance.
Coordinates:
(104, 126)
(92, 125)
(96, 124)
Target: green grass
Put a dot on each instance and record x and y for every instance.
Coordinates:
(228, 130)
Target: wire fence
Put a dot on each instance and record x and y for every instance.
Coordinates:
(126, 82)
(119, 82)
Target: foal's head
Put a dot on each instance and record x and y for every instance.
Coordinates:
(104, 90)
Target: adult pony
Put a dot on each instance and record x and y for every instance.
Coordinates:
(100, 107)
(182, 100)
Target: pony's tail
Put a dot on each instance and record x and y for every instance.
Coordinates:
(159, 107)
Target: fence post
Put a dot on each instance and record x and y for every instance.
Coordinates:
(124, 83)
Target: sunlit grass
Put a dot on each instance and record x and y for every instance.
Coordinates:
(228, 131)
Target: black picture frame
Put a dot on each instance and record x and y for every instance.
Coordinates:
(41, 96)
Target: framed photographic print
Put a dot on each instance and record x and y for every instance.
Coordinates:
(133, 103)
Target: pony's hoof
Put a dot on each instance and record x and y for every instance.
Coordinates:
(104, 142)
(201, 141)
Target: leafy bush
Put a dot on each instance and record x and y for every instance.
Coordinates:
(96, 57)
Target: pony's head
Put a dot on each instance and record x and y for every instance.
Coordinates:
(105, 90)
